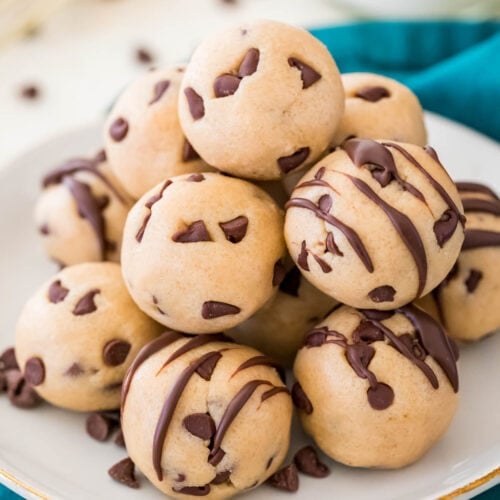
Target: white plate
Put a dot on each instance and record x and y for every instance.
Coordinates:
(46, 453)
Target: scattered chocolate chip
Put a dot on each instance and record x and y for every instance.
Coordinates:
(291, 282)
(8, 360)
(57, 293)
(325, 203)
(221, 477)
(279, 273)
(197, 231)
(119, 439)
(74, 370)
(249, 64)
(235, 229)
(380, 397)
(189, 153)
(302, 257)
(372, 94)
(34, 371)
(115, 352)
(307, 74)
(195, 103)
(159, 89)
(143, 56)
(290, 162)
(196, 178)
(307, 461)
(445, 226)
(212, 309)
(300, 400)
(123, 472)
(382, 294)
(473, 280)
(30, 92)
(196, 491)
(98, 426)
(20, 393)
(86, 304)
(44, 230)
(118, 129)
(286, 479)
(201, 425)
(226, 85)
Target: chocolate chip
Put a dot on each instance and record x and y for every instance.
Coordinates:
(279, 272)
(359, 357)
(20, 393)
(196, 178)
(159, 89)
(123, 472)
(249, 64)
(331, 246)
(372, 94)
(221, 477)
(197, 231)
(180, 478)
(57, 293)
(44, 230)
(212, 309)
(143, 56)
(98, 426)
(380, 397)
(473, 280)
(118, 129)
(382, 294)
(196, 491)
(195, 103)
(200, 425)
(75, 370)
(302, 257)
(226, 85)
(119, 439)
(8, 360)
(325, 203)
(300, 399)
(115, 352)
(86, 304)
(307, 74)
(325, 267)
(316, 338)
(30, 92)
(189, 153)
(286, 479)
(34, 371)
(291, 282)
(216, 458)
(235, 229)
(100, 157)
(206, 369)
(367, 332)
(444, 228)
(288, 163)
(307, 461)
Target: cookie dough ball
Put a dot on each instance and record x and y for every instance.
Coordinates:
(376, 388)
(204, 417)
(278, 328)
(143, 137)
(261, 99)
(375, 224)
(377, 107)
(78, 334)
(201, 253)
(81, 212)
(468, 300)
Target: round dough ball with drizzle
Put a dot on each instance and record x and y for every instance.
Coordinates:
(261, 99)
(375, 224)
(78, 334)
(377, 107)
(143, 137)
(376, 388)
(218, 416)
(81, 212)
(468, 300)
(202, 252)
(278, 328)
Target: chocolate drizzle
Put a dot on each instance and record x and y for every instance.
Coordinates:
(261, 360)
(475, 187)
(481, 205)
(478, 238)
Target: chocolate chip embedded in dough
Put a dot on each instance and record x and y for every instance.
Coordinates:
(57, 292)
(195, 232)
(195, 103)
(189, 154)
(249, 64)
(196, 178)
(226, 85)
(372, 94)
(382, 294)
(380, 397)
(200, 425)
(279, 272)
(118, 129)
(302, 257)
(86, 304)
(473, 280)
(308, 75)
(235, 229)
(159, 89)
(75, 370)
(445, 227)
(291, 162)
(221, 477)
(123, 472)
(115, 352)
(300, 399)
(213, 309)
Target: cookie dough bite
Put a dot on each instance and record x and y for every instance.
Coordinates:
(278, 328)
(261, 99)
(468, 300)
(376, 388)
(202, 252)
(143, 137)
(377, 107)
(78, 334)
(375, 224)
(81, 212)
(218, 416)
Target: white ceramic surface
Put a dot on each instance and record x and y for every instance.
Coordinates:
(46, 453)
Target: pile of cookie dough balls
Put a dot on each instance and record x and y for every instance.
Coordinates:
(207, 266)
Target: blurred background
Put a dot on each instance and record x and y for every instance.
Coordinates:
(63, 62)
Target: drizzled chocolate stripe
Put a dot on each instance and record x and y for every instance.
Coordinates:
(351, 235)
(317, 181)
(481, 205)
(272, 392)
(404, 226)
(149, 205)
(477, 238)
(474, 187)
(170, 404)
(260, 360)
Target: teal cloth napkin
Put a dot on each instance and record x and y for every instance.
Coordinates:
(453, 67)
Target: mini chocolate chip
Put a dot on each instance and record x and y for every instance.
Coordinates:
(445, 226)
(189, 153)
(30, 92)
(325, 203)
(74, 370)
(200, 425)
(291, 282)
(380, 397)
(196, 178)
(115, 352)
(143, 55)
(307, 461)
(57, 293)
(372, 94)
(98, 426)
(226, 85)
(197, 231)
(221, 477)
(302, 257)
(382, 294)
(300, 399)
(21, 394)
(473, 280)
(196, 491)
(123, 472)
(307, 74)
(195, 103)
(159, 89)
(213, 309)
(86, 304)
(286, 479)
(235, 229)
(279, 273)
(331, 246)
(8, 360)
(34, 371)
(206, 369)
(290, 162)
(118, 129)
(249, 64)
